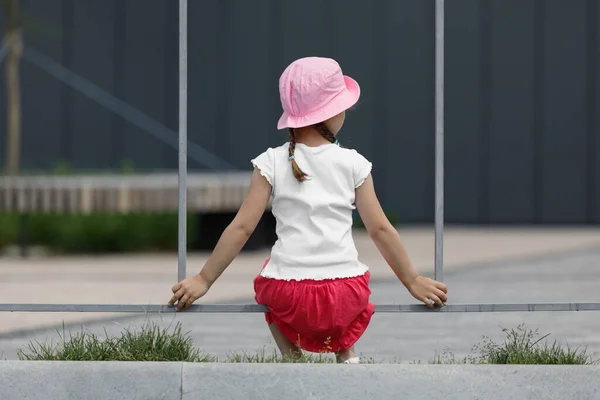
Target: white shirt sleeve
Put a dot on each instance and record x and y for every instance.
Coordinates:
(362, 169)
(265, 164)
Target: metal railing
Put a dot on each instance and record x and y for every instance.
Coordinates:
(256, 308)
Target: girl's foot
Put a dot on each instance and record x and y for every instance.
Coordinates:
(347, 356)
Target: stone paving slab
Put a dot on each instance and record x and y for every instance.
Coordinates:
(410, 337)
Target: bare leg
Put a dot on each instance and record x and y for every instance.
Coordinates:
(344, 355)
(287, 348)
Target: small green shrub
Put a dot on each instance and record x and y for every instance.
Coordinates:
(62, 167)
(99, 232)
(9, 229)
(127, 167)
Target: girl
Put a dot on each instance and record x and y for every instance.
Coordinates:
(316, 290)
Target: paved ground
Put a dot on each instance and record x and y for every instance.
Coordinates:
(146, 279)
(569, 275)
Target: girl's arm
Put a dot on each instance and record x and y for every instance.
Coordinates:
(388, 241)
(232, 241)
(236, 235)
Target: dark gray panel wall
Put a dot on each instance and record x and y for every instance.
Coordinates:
(405, 90)
(463, 111)
(93, 56)
(2, 108)
(563, 141)
(593, 205)
(522, 110)
(42, 115)
(203, 80)
(141, 76)
(507, 95)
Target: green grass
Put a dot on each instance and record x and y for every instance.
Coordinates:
(153, 342)
(273, 356)
(521, 346)
(150, 343)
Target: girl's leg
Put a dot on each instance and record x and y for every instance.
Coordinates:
(287, 348)
(345, 355)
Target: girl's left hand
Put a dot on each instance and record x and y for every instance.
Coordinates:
(428, 291)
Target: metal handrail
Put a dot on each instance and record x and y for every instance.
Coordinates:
(258, 308)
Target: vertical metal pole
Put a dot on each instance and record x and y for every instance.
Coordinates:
(182, 172)
(439, 139)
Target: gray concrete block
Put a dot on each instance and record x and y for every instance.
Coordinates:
(132, 380)
(89, 380)
(302, 381)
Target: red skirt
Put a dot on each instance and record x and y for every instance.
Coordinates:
(319, 316)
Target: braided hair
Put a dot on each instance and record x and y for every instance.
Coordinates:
(324, 131)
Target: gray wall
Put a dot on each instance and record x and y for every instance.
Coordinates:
(522, 138)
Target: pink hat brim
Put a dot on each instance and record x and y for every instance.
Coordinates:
(340, 103)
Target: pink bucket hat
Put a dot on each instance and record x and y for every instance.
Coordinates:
(312, 90)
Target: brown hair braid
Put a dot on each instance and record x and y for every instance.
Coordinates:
(324, 131)
(298, 173)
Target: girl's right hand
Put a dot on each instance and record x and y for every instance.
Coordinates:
(428, 291)
(187, 291)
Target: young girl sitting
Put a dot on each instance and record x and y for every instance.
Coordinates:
(315, 288)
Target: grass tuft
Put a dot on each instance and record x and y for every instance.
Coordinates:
(264, 356)
(153, 342)
(521, 346)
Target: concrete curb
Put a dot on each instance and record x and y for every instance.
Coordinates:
(152, 380)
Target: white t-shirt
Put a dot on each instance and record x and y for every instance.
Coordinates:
(314, 217)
